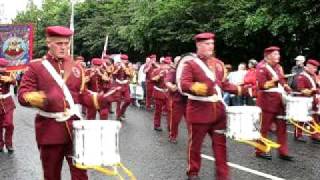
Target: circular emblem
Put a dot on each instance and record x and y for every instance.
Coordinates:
(15, 48)
(76, 72)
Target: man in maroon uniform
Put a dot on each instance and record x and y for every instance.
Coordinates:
(54, 85)
(159, 92)
(148, 69)
(271, 88)
(95, 84)
(6, 109)
(201, 77)
(177, 102)
(122, 75)
(306, 84)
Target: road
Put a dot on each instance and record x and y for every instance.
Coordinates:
(150, 156)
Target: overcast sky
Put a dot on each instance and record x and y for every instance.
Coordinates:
(9, 8)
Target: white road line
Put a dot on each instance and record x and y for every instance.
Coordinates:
(258, 173)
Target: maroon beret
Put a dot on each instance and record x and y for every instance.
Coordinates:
(152, 56)
(313, 62)
(58, 31)
(270, 49)
(96, 61)
(204, 36)
(3, 62)
(124, 57)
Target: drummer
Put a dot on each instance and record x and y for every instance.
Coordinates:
(306, 84)
(205, 112)
(269, 98)
(57, 104)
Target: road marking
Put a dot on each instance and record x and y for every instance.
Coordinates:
(258, 173)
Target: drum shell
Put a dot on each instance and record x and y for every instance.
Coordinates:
(96, 142)
(299, 108)
(243, 122)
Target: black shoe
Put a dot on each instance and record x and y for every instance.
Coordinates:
(286, 157)
(193, 178)
(120, 118)
(315, 141)
(10, 150)
(111, 112)
(266, 156)
(300, 139)
(157, 128)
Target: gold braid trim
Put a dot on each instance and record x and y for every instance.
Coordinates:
(95, 100)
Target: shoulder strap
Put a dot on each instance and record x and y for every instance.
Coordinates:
(54, 74)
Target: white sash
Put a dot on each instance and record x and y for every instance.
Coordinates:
(313, 83)
(280, 88)
(208, 73)
(73, 108)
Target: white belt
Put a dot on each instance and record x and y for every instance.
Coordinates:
(122, 81)
(277, 90)
(213, 98)
(3, 96)
(160, 89)
(60, 116)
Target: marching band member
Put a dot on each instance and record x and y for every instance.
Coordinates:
(7, 107)
(270, 79)
(108, 68)
(95, 84)
(160, 92)
(201, 77)
(148, 69)
(177, 102)
(122, 75)
(54, 85)
(306, 84)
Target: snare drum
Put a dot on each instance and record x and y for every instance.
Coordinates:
(243, 122)
(96, 142)
(299, 108)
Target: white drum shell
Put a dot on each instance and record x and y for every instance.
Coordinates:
(243, 122)
(96, 142)
(299, 108)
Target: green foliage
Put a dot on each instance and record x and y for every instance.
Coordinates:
(166, 27)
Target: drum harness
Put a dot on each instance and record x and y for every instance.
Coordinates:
(265, 144)
(74, 110)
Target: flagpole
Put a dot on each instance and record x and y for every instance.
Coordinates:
(105, 46)
(72, 28)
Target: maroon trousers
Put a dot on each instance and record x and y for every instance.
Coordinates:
(52, 158)
(104, 113)
(281, 130)
(149, 90)
(6, 129)
(196, 135)
(159, 104)
(125, 102)
(176, 110)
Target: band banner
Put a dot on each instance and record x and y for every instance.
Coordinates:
(16, 42)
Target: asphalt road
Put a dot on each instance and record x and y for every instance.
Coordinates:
(150, 156)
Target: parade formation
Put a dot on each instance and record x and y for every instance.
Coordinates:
(82, 105)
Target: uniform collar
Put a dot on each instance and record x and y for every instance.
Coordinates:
(50, 58)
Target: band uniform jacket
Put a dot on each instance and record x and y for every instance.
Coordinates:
(37, 78)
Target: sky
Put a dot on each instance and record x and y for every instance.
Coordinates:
(9, 8)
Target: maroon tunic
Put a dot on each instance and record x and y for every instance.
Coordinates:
(37, 78)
